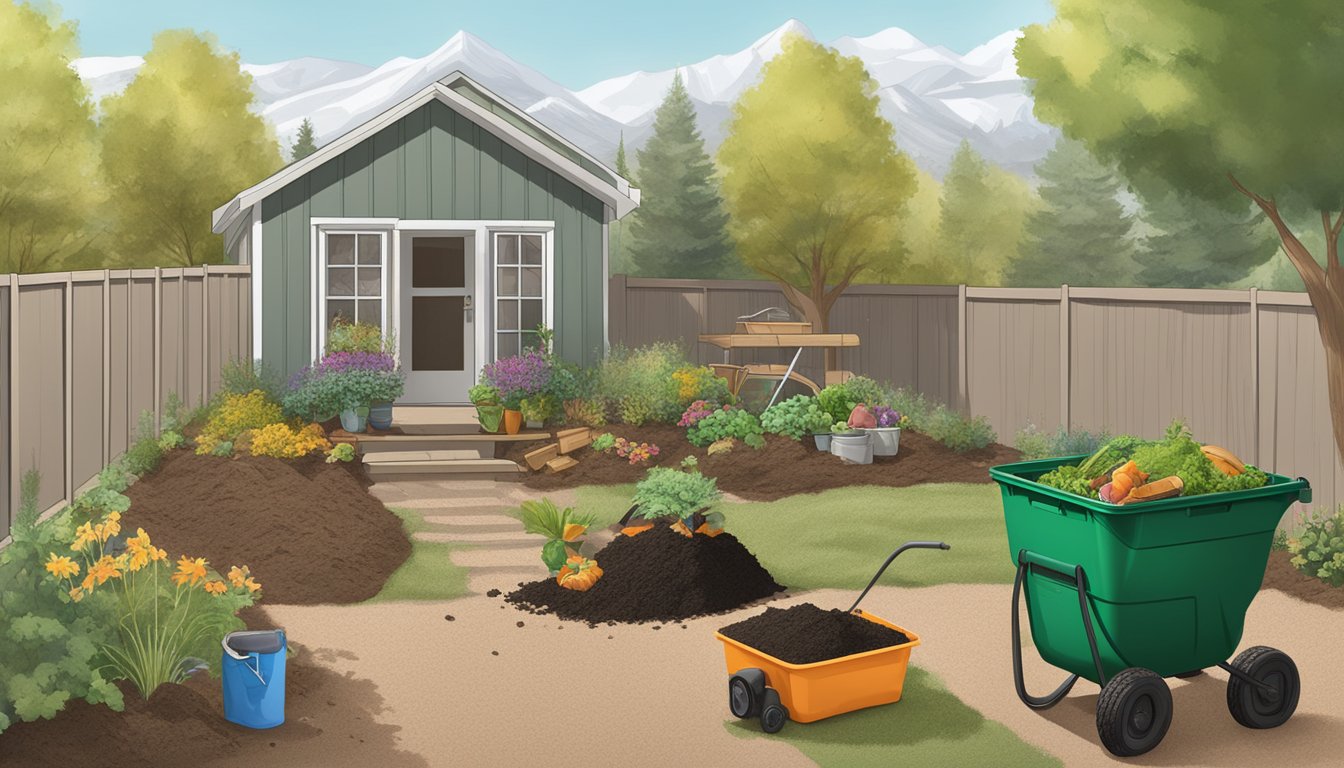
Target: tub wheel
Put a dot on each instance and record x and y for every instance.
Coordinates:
(1133, 712)
(773, 712)
(1256, 707)
(746, 688)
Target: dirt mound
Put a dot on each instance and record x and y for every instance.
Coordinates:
(310, 531)
(658, 575)
(805, 634)
(1281, 575)
(784, 467)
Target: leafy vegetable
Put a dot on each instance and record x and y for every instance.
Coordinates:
(796, 417)
(733, 422)
(665, 491)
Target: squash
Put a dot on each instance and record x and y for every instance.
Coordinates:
(1226, 461)
(1165, 488)
(635, 530)
(579, 574)
(680, 527)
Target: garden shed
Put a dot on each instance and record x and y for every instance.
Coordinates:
(454, 221)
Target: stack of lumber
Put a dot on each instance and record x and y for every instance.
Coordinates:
(553, 457)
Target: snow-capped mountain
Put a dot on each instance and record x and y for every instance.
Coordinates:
(934, 96)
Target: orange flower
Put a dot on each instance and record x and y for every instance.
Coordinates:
(140, 550)
(84, 535)
(189, 571)
(106, 568)
(77, 594)
(61, 567)
(111, 527)
(216, 587)
(237, 576)
(87, 584)
(252, 585)
(573, 531)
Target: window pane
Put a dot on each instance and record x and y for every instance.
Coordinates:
(371, 312)
(531, 314)
(342, 308)
(340, 281)
(507, 285)
(528, 340)
(370, 281)
(506, 316)
(340, 249)
(506, 249)
(531, 281)
(507, 344)
(439, 262)
(370, 249)
(531, 249)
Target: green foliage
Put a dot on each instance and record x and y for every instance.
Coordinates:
(49, 156)
(145, 452)
(796, 417)
(180, 140)
(680, 227)
(240, 376)
(699, 382)
(589, 412)
(304, 143)
(1195, 243)
(483, 394)
(537, 408)
(839, 400)
(604, 442)
(345, 336)
(814, 202)
(1319, 549)
(665, 491)
(1081, 233)
(918, 221)
(341, 452)
(640, 383)
(51, 643)
(1035, 444)
(544, 518)
(958, 432)
(981, 215)
(727, 422)
(235, 415)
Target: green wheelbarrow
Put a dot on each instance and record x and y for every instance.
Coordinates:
(1124, 596)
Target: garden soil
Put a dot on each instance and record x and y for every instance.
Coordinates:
(784, 467)
(657, 575)
(309, 531)
(1281, 575)
(804, 634)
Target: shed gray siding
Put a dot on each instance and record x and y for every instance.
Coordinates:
(432, 164)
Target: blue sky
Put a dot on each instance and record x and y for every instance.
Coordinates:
(575, 43)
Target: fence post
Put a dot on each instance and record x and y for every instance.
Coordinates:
(1064, 362)
(1255, 373)
(616, 313)
(158, 347)
(205, 333)
(107, 366)
(963, 360)
(69, 384)
(15, 475)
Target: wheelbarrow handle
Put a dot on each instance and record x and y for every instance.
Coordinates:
(899, 550)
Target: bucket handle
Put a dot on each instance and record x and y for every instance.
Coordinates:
(252, 657)
(1027, 558)
(899, 550)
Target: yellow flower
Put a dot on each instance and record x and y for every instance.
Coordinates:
(252, 585)
(106, 568)
(140, 550)
(216, 587)
(87, 584)
(111, 527)
(158, 554)
(62, 567)
(84, 535)
(189, 571)
(237, 575)
(77, 594)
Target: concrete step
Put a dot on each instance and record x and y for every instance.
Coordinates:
(478, 449)
(473, 521)
(393, 469)
(393, 457)
(494, 540)
(488, 557)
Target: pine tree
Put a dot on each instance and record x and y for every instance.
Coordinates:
(1081, 233)
(622, 167)
(680, 229)
(981, 214)
(1196, 243)
(304, 143)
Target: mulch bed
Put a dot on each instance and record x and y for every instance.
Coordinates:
(1281, 575)
(657, 575)
(784, 467)
(805, 634)
(310, 531)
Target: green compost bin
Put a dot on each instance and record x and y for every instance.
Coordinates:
(1167, 582)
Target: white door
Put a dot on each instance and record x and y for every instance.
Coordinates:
(437, 335)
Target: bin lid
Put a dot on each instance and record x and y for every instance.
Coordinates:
(262, 641)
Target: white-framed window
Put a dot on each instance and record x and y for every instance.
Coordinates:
(354, 279)
(521, 290)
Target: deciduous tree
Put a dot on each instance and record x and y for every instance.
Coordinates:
(981, 213)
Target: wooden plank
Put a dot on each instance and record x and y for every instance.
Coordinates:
(780, 340)
(574, 442)
(537, 458)
(560, 464)
(572, 431)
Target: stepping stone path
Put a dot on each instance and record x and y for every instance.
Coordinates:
(475, 514)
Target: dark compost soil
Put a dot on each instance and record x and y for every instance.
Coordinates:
(658, 575)
(805, 634)
(1281, 575)
(310, 531)
(784, 467)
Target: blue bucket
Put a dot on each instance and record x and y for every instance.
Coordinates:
(253, 669)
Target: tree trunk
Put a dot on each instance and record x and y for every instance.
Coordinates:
(815, 309)
(1330, 323)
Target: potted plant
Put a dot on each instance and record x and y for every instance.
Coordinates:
(354, 418)
(536, 410)
(854, 446)
(386, 385)
(818, 423)
(488, 410)
(887, 433)
(517, 377)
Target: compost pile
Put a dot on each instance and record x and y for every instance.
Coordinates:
(658, 575)
(805, 634)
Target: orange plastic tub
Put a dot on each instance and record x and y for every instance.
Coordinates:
(832, 687)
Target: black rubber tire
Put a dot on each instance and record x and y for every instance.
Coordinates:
(1249, 704)
(773, 713)
(746, 688)
(1133, 712)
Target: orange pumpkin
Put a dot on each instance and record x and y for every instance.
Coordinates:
(579, 574)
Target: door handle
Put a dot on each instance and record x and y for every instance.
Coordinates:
(466, 302)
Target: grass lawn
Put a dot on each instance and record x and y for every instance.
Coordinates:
(838, 538)
(428, 574)
(928, 726)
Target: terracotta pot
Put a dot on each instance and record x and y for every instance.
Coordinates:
(513, 421)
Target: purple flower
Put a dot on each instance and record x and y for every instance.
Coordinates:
(345, 362)
(886, 417)
(519, 376)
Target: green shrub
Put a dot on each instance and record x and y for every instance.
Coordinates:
(699, 382)
(796, 417)
(358, 337)
(51, 643)
(1319, 549)
(730, 422)
(914, 407)
(1035, 444)
(145, 452)
(238, 377)
(640, 383)
(839, 400)
(665, 491)
(958, 432)
(604, 442)
(234, 416)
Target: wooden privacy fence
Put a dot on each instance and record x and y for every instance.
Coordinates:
(83, 354)
(1244, 369)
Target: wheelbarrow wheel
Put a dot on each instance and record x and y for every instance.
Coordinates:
(773, 712)
(1133, 712)
(746, 689)
(1257, 707)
